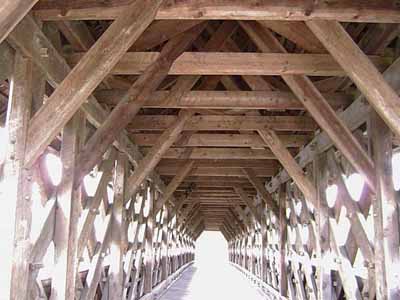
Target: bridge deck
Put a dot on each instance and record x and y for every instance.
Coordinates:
(219, 282)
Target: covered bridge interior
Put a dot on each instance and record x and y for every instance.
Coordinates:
(130, 127)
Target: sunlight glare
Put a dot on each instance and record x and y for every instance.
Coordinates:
(355, 184)
(331, 195)
(396, 170)
(54, 168)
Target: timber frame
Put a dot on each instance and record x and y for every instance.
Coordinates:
(212, 115)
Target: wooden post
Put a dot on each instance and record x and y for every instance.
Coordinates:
(148, 258)
(283, 288)
(164, 245)
(16, 213)
(324, 280)
(115, 273)
(67, 216)
(386, 212)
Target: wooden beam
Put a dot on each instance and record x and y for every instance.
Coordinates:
(149, 247)
(55, 69)
(271, 100)
(231, 63)
(218, 123)
(317, 106)
(258, 185)
(354, 116)
(6, 61)
(133, 99)
(216, 153)
(386, 213)
(379, 11)
(249, 203)
(297, 32)
(211, 163)
(67, 215)
(226, 172)
(11, 13)
(291, 166)
(244, 140)
(17, 214)
(118, 218)
(173, 185)
(76, 88)
(360, 69)
(149, 162)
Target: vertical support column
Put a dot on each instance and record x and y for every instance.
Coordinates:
(264, 243)
(16, 211)
(164, 245)
(324, 286)
(148, 259)
(115, 275)
(67, 216)
(283, 280)
(386, 214)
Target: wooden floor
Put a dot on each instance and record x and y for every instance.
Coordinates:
(218, 282)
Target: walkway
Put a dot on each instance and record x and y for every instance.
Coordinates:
(221, 282)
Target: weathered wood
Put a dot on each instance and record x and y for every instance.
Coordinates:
(225, 172)
(148, 247)
(219, 123)
(149, 162)
(229, 63)
(291, 166)
(6, 61)
(164, 245)
(172, 186)
(258, 185)
(360, 69)
(318, 107)
(76, 87)
(244, 140)
(354, 116)
(283, 280)
(17, 214)
(118, 217)
(55, 69)
(67, 216)
(344, 11)
(270, 100)
(133, 100)
(249, 202)
(387, 210)
(11, 13)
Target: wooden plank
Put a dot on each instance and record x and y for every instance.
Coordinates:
(67, 216)
(133, 99)
(17, 214)
(149, 162)
(216, 153)
(229, 63)
(11, 13)
(226, 172)
(100, 59)
(218, 123)
(386, 210)
(164, 246)
(344, 11)
(172, 186)
(244, 140)
(270, 100)
(283, 274)
(318, 107)
(210, 163)
(258, 185)
(360, 69)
